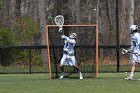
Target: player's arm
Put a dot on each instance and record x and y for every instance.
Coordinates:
(138, 42)
(71, 40)
(61, 31)
(68, 39)
(133, 45)
(64, 37)
(130, 50)
(139, 45)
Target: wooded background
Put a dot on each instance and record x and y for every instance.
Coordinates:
(26, 14)
(24, 20)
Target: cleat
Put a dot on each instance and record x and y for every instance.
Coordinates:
(129, 78)
(81, 77)
(61, 77)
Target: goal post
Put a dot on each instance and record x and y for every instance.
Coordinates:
(86, 48)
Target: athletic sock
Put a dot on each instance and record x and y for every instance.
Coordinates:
(131, 74)
(80, 73)
(63, 73)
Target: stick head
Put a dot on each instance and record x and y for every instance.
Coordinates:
(124, 51)
(59, 20)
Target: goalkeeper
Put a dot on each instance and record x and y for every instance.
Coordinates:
(68, 58)
(135, 49)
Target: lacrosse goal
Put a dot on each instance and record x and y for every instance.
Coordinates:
(86, 49)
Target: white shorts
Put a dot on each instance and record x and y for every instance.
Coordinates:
(136, 58)
(68, 60)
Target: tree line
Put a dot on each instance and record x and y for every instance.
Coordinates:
(26, 20)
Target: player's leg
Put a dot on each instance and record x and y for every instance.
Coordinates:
(133, 66)
(62, 63)
(62, 70)
(132, 71)
(79, 71)
(76, 66)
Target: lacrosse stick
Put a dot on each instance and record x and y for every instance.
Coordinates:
(125, 51)
(59, 21)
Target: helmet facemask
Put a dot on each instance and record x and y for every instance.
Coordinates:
(73, 35)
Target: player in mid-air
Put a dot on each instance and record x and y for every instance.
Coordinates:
(135, 49)
(68, 58)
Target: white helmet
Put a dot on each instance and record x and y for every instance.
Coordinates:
(133, 28)
(73, 35)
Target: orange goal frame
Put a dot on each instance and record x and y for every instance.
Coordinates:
(48, 48)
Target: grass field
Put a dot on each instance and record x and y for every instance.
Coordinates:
(40, 83)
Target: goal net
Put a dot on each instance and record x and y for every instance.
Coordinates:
(86, 50)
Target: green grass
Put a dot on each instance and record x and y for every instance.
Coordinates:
(40, 83)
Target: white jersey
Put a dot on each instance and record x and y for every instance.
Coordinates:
(135, 46)
(68, 56)
(69, 45)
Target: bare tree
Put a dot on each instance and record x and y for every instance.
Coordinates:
(15, 12)
(35, 11)
(77, 2)
(5, 14)
(9, 13)
(42, 20)
(131, 12)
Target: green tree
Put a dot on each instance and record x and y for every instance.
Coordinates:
(6, 39)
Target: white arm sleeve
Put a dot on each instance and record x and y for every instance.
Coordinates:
(71, 40)
(64, 37)
(132, 47)
(67, 39)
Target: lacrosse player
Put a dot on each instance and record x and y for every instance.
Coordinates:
(68, 58)
(135, 49)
